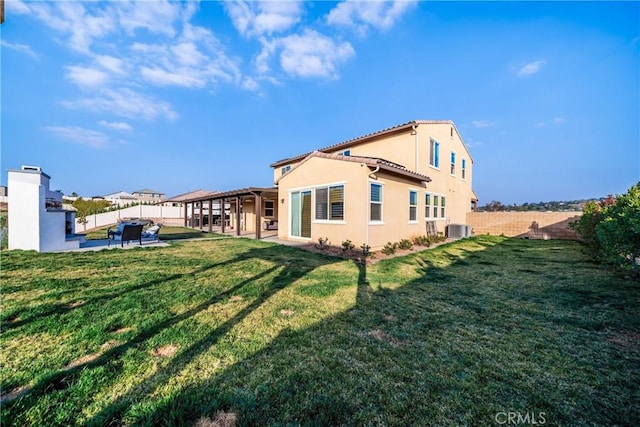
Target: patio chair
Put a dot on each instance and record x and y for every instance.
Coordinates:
(125, 232)
(152, 232)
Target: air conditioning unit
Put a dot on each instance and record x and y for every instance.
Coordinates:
(458, 231)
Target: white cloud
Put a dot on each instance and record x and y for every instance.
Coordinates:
(531, 68)
(263, 18)
(154, 16)
(480, 123)
(539, 125)
(16, 6)
(250, 84)
(162, 77)
(116, 125)
(312, 55)
(111, 63)
(126, 103)
(22, 48)
(80, 135)
(360, 15)
(559, 120)
(86, 77)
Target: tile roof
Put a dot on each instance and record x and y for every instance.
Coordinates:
(354, 141)
(369, 161)
(147, 191)
(191, 195)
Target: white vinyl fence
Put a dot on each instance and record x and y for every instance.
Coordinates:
(171, 214)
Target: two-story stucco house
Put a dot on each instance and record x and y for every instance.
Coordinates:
(377, 188)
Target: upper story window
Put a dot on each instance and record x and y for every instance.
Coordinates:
(464, 169)
(346, 153)
(413, 205)
(375, 202)
(285, 169)
(330, 203)
(434, 153)
(453, 163)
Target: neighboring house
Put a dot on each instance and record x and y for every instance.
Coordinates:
(149, 196)
(181, 198)
(121, 198)
(377, 188)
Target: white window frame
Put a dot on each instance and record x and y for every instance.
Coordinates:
(285, 169)
(413, 221)
(381, 203)
(453, 163)
(314, 205)
(464, 169)
(427, 207)
(434, 153)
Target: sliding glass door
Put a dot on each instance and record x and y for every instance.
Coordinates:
(301, 214)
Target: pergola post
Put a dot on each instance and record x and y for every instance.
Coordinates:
(258, 210)
(237, 215)
(223, 219)
(210, 215)
(186, 204)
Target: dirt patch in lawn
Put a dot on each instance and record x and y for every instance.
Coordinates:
(165, 351)
(287, 313)
(222, 419)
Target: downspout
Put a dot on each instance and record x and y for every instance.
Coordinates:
(366, 202)
(415, 133)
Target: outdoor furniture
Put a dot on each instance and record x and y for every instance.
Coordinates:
(125, 231)
(152, 232)
(270, 225)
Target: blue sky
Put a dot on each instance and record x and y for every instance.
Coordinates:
(176, 96)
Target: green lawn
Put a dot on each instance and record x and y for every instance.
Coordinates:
(273, 335)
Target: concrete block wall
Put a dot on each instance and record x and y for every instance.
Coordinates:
(533, 225)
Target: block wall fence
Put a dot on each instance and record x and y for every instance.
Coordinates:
(532, 225)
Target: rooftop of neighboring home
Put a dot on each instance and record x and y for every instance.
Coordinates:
(197, 194)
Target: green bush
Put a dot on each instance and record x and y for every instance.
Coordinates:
(4, 230)
(405, 244)
(611, 229)
(347, 245)
(422, 241)
(389, 248)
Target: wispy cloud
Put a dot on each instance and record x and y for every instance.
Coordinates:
(531, 68)
(116, 125)
(126, 103)
(362, 15)
(78, 135)
(539, 125)
(22, 48)
(559, 120)
(17, 7)
(471, 143)
(480, 123)
(84, 76)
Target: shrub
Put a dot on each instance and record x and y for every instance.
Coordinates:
(389, 248)
(366, 249)
(422, 241)
(347, 245)
(405, 244)
(323, 243)
(618, 232)
(611, 229)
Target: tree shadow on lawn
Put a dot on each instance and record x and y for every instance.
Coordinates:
(65, 378)
(420, 355)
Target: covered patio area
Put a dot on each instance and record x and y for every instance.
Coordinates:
(247, 212)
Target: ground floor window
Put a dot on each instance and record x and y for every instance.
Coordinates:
(330, 203)
(268, 208)
(413, 205)
(375, 203)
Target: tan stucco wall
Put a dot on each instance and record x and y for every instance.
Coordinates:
(535, 225)
(318, 172)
